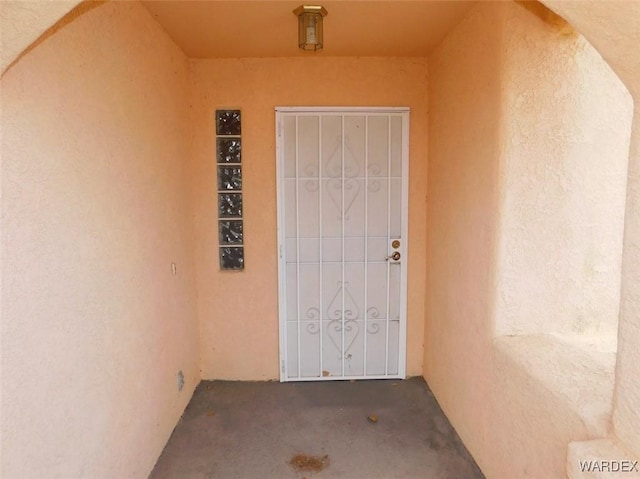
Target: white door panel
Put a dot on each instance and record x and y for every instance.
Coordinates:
(342, 201)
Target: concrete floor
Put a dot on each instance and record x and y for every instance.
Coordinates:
(248, 430)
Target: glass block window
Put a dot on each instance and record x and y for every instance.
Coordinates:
(229, 178)
(229, 188)
(228, 122)
(229, 150)
(230, 205)
(232, 257)
(230, 232)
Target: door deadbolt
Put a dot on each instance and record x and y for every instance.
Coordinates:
(395, 244)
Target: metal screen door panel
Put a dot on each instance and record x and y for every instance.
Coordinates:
(342, 223)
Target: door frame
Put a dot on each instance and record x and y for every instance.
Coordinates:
(280, 191)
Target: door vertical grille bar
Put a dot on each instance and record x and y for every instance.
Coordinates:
(282, 266)
(297, 180)
(343, 251)
(320, 241)
(386, 348)
(404, 232)
(366, 240)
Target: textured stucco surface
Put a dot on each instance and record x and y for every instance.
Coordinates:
(580, 378)
(514, 237)
(462, 216)
(238, 311)
(563, 183)
(530, 419)
(626, 417)
(23, 22)
(614, 30)
(94, 325)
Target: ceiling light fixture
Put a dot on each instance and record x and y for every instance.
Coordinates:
(310, 26)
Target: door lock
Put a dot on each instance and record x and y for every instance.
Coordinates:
(395, 256)
(395, 244)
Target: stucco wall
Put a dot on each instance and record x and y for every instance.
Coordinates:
(238, 311)
(567, 123)
(510, 120)
(23, 22)
(612, 27)
(462, 216)
(94, 325)
(626, 418)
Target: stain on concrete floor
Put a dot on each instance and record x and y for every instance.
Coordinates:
(306, 463)
(259, 427)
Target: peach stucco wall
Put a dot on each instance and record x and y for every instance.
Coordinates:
(238, 311)
(94, 210)
(566, 128)
(24, 22)
(626, 418)
(510, 117)
(613, 28)
(462, 216)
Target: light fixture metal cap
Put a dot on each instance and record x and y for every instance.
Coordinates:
(310, 9)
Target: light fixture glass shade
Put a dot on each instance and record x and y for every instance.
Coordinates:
(310, 26)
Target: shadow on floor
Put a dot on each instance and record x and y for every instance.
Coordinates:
(253, 430)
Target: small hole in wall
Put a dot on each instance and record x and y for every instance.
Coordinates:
(180, 380)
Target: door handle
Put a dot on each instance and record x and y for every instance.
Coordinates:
(395, 256)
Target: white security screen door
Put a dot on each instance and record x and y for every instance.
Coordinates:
(342, 231)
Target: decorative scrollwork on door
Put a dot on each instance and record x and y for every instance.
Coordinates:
(311, 186)
(351, 192)
(373, 312)
(343, 312)
(373, 328)
(337, 166)
(351, 332)
(342, 188)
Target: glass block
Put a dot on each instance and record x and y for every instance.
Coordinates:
(230, 231)
(230, 205)
(229, 178)
(228, 122)
(229, 150)
(232, 257)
